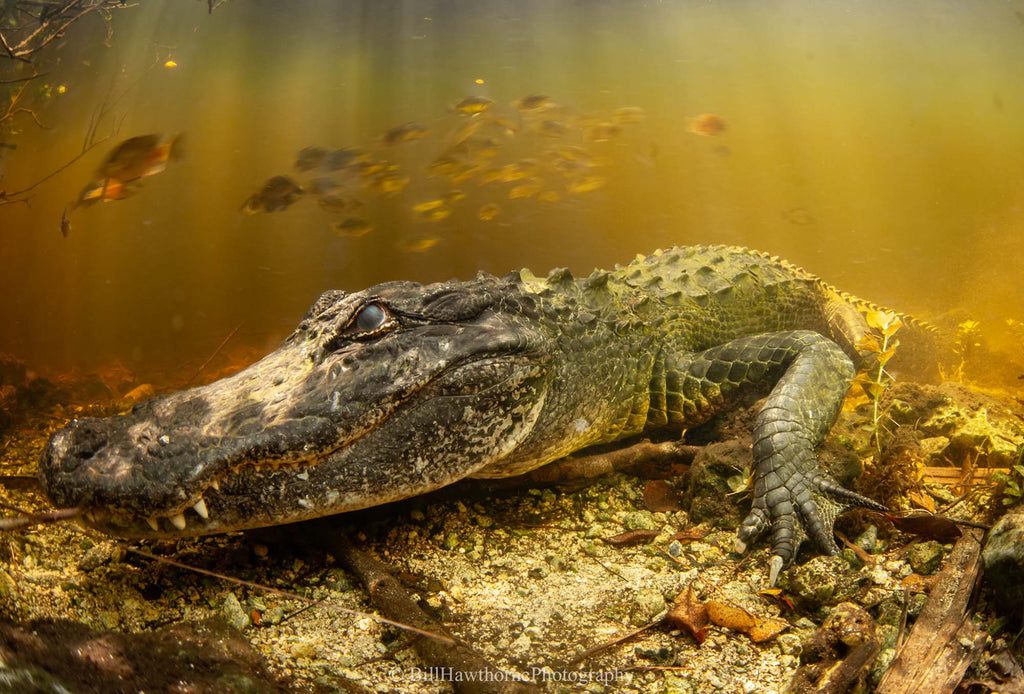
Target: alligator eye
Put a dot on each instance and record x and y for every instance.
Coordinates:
(369, 318)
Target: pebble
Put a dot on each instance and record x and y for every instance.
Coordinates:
(925, 557)
(234, 613)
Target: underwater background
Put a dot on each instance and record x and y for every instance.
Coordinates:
(878, 145)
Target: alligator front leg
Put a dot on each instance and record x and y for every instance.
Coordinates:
(793, 497)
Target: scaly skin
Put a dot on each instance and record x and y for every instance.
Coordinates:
(401, 388)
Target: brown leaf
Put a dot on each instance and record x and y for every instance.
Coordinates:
(631, 537)
(659, 496)
(927, 526)
(730, 617)
(923, 500)
(689, 614)
(689, 535)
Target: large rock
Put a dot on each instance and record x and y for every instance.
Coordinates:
(955, 422)
(1004, 561)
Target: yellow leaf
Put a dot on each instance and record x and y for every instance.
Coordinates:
(868, 343)
(893, 326)
(730, 617)
(880, 320)
(873, 388)
(767, 628)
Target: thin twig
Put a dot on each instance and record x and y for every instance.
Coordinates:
(215, 353)
(51, 30)
(601, 647)
(14, 196)
(24, 79)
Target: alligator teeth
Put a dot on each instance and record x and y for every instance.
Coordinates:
(89, 516)
(152, 522)
(200, 508)
(178, 521)
(216, 485)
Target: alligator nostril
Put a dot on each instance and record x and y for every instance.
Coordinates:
(66, 454)
(90, 437)
(77, 443)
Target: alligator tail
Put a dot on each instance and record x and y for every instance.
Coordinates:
(922, 353)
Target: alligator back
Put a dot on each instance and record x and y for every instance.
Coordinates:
(611, 331)
(706, 295)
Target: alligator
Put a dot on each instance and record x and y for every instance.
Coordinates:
(403, 388)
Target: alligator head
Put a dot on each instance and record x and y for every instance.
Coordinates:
(378, 395)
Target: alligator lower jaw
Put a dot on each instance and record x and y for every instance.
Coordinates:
(209, 512)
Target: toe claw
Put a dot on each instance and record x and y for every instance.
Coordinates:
(774, 569)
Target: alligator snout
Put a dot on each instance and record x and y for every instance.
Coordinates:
(76, 463)
(119, 461)
(64, 455)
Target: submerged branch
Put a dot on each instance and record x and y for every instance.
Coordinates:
(27, 519)
(30, 33)
(88, 143)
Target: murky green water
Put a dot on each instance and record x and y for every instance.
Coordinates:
(877, 144)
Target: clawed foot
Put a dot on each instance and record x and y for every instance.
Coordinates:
(796, 509)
